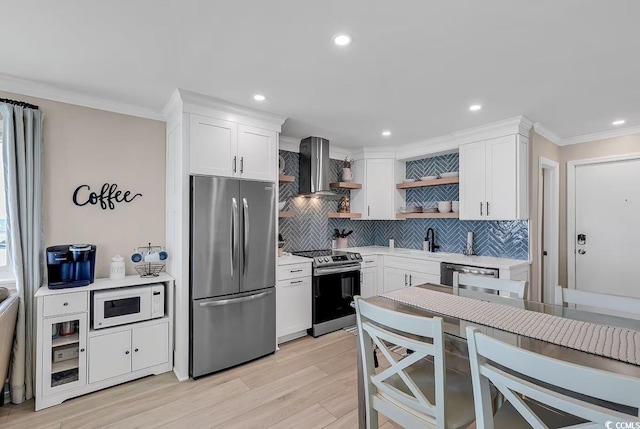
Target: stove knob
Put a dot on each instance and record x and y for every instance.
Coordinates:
(358, 256)
(326, 259)
(352, 256)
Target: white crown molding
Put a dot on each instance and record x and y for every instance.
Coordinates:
(50, 92)
(515, 125)
(619, 132)
(221, 109)
(547, 134)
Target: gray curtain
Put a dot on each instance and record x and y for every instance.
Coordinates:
(22, 150)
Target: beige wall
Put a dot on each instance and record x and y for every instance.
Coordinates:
(596, 149)
(539, 147)
(89, 146)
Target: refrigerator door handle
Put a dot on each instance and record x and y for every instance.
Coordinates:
(235, 300)
(245, 232)
(234, 221)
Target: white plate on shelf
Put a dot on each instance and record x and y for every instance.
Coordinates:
(425, 178)
(450, 174)
(408, 180)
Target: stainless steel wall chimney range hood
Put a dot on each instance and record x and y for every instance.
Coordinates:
(314, 168)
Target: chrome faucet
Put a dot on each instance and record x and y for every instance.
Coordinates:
(432, 242)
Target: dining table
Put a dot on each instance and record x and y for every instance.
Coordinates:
(456, 352)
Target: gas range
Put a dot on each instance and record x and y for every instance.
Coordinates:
(331, 258)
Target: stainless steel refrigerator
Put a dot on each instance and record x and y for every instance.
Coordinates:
(233, 302)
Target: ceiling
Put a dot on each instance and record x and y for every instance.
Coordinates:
(414, 67)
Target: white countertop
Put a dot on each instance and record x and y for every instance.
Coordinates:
(452, 258)
(293, 259)
(106, 283)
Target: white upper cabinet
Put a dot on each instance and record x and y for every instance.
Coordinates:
(224, 148)
(214, 146)
(257, 153)
(378, 199)
(493, 179)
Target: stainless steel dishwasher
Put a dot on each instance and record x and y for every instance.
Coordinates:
(447, 270)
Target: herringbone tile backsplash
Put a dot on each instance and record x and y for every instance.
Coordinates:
(310, 228)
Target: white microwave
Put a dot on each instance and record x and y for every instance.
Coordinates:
(127, 305)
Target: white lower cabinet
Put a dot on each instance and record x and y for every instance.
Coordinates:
(120, 353)
(110, 356)
(368, 282)
(404, 272)
(293, 304)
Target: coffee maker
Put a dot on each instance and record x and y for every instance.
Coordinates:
(70, 265)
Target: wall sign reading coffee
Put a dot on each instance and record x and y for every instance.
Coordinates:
(107, 198)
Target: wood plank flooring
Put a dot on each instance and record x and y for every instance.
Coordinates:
(309, 383)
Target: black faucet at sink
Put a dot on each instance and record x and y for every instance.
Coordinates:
(432, 242)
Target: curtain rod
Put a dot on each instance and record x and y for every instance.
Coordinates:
(19, 103)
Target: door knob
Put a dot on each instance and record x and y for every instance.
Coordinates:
(582, 251)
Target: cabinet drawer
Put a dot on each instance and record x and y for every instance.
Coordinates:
(294, 271)
(369, 261)
(66, 303)
(417, 265)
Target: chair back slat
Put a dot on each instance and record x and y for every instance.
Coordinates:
(504, 288)
(516, 372)
(617, 303)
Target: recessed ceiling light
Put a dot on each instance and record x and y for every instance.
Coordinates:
(386, 133)
(618, 122)
(259, 97)
(475, 107)
(342, 39)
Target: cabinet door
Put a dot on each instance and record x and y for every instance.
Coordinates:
(502, 178)
(395, 278)
(64, 357)
(257, 155)
(150, 346)
(416, 278)
(369, 282)
(213, 146)
(109, 356)
(472, 181)
(293, 306)
(379, 188)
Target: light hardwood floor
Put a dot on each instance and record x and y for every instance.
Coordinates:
(309, 383)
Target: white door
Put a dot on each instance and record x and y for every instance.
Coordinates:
(472, 181)
(213, 146)
(150, 346)
(395, 278)
(607, 205)
(109, 356)
(59, 375)
(379, 188)
(369, 284)
(501, 181)
(293, 303)
(257, 155)
(416, 278)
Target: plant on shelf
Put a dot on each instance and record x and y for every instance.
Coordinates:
(347, 175)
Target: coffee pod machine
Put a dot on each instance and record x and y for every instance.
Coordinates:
(70, 265)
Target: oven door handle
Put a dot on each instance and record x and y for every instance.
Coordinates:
(337, 270)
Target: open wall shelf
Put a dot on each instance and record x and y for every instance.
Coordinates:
(346, 185)
(428, 215)
(425, 183)
(345, 215)
(286, 179)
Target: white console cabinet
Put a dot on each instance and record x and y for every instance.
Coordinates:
(293, 301)
(92, 359)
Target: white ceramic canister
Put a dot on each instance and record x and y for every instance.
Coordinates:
(117, 271)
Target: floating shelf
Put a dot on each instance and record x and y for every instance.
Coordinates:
(63, 341)
(425, 183)
(286, 179)
(346, 185)
(428, 215)
(285, 214)
(65, 365)
(345, 215)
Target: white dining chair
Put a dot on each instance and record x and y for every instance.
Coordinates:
(415, 391)
(597, 301)
(488, 288)
(519, 374)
